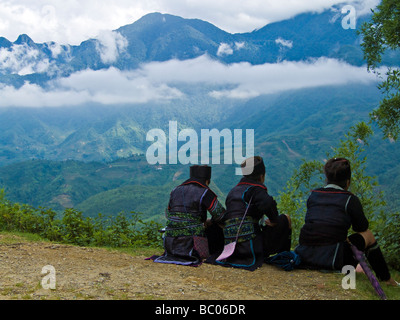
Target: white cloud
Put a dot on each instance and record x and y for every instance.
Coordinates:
(55, 48)
(158, 81)
(66, 22)
(244, 16)
(22, 60)
(363, 7)
(239, 45)
(252, 81)
(224, 50)
(108, 87)
(110, 44)
(284, 43)
(113, 86)
(31, 95)
(281, 76)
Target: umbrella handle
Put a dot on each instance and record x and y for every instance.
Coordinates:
(359, 256)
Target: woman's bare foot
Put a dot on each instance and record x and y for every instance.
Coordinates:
(359, 269)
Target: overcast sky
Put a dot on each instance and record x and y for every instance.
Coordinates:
(73, 21)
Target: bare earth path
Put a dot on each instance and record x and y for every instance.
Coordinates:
(100, 274)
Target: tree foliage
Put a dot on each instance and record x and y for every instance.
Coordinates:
(382, 33)
(74, 228)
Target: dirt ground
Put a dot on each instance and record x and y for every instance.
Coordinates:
(100, 274)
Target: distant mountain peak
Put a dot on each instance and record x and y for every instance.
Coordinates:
(24, 38)
(155, 18)
(5, 43)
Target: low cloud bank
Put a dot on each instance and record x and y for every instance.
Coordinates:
(160, 81)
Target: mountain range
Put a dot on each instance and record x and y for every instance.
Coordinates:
(90, 155)
(162, 37)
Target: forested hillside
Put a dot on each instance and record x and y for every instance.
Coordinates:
(289, 127)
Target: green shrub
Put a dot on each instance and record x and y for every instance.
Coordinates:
(74, 228)
(389, 240)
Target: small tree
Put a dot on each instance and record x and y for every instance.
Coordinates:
(382, 33)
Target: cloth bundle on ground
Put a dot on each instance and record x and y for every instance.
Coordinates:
(287, 260)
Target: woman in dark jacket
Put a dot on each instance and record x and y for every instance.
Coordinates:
(331, 212)
(188, 239)
(252, 218)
